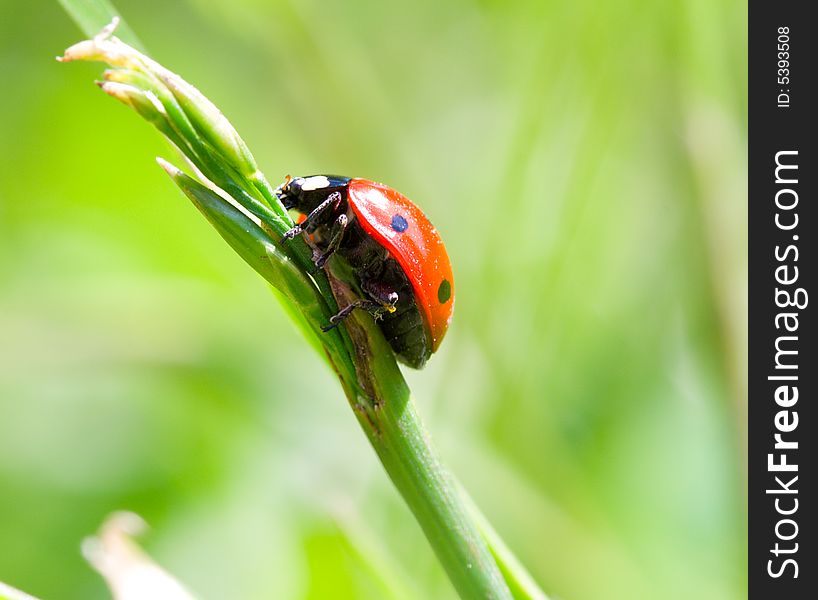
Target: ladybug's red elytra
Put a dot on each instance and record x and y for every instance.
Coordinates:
(396, 253)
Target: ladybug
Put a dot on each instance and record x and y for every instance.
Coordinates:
(396, 254)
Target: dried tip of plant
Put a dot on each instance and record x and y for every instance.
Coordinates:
(121, 91)
(10, 593)
(129, 571)
(108, 30)
(103, 47)
(117, 75)
(144, 102)
(169, 168)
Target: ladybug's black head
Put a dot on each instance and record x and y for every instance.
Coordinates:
(305, 193)
(289, 193)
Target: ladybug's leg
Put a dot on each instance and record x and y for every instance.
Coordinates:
(334, 199)
(337, 319)
(338, 229)
(384, 300)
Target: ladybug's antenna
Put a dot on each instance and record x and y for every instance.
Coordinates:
(283, 187)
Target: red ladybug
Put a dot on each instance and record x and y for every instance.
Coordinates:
(396, 253)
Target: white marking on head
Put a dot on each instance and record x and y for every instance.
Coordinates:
(314, 183)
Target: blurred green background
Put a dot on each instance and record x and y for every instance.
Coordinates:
(585, 163)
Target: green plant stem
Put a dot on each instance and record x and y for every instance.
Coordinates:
(399, 438)
(385, 411)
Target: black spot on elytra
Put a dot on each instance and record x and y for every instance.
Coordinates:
(444, 291)
(399, 223)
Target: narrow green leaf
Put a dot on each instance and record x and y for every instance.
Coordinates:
(519, 580)
(256, 247)
(301, 323)
(249, 240)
